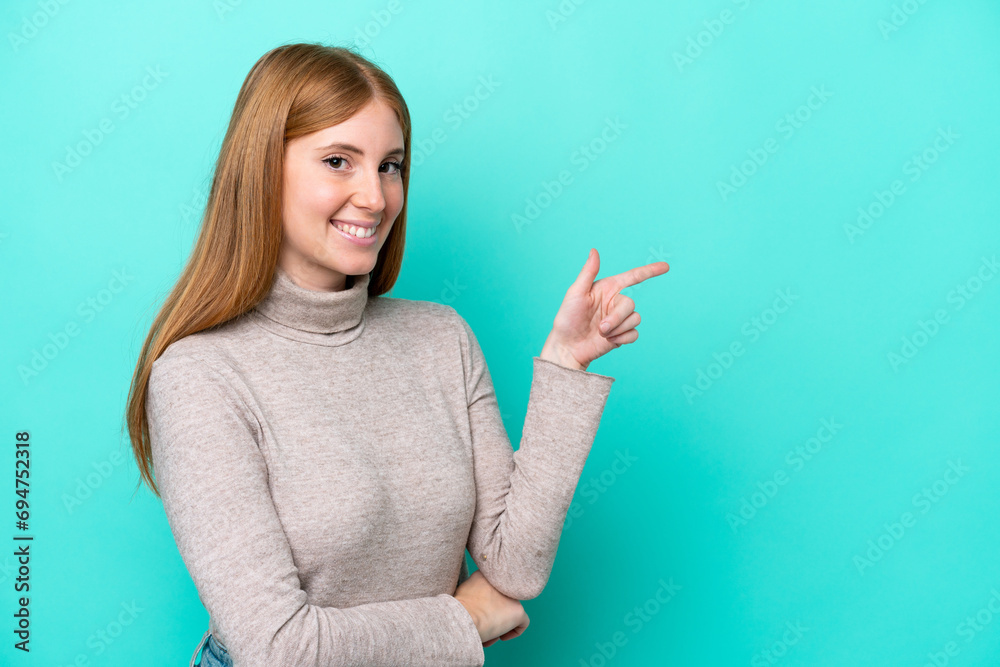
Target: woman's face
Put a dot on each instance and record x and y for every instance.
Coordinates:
(358, 181)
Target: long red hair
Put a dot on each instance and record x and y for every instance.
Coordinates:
(290, 91)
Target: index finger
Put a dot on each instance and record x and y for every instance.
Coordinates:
(640, 273)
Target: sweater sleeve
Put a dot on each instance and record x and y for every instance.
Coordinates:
(214, 485)
(522, 497)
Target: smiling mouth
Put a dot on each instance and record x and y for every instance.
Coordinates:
(355, 230)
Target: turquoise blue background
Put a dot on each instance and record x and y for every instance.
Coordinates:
(650, 193)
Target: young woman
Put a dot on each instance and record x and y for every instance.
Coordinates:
(325, 454)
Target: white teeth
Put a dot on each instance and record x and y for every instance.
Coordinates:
(360, 232)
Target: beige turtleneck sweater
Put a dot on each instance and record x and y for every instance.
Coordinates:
(325, 459)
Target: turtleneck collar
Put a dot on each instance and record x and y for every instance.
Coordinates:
(324, 318)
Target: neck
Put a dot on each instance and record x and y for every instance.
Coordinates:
(317, 316)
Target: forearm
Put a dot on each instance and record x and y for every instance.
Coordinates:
(523, 499)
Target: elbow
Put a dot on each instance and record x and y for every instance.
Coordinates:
(516, 583)
(271, 649)
(295, 642)
(529, 592)
(518, 569)
(525, 588)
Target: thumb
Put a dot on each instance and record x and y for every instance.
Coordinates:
(585, 280)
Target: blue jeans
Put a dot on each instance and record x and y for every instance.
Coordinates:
(214, 655)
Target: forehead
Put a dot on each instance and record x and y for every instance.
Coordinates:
(374, 127)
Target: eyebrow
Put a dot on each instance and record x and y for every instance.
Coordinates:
(354, 149)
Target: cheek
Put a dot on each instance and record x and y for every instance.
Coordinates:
(306, 213)
(394, 197)
(312, 197)
(324, 199)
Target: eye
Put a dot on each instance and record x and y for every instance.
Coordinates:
(330, 160)
(336, 160)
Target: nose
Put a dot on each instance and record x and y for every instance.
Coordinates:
(368, 190)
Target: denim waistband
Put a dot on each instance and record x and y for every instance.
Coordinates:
(201, 644)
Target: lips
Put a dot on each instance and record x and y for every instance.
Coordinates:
(368, 235)
(351, 230)
(367, 224)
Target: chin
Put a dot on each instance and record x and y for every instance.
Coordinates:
(353, 269)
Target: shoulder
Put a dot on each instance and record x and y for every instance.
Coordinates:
(413, 315)
(201, 356)
(431, 335)
(426, 329)
(198, 347)
(195, 379)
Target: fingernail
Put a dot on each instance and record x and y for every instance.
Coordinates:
(604, 327)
